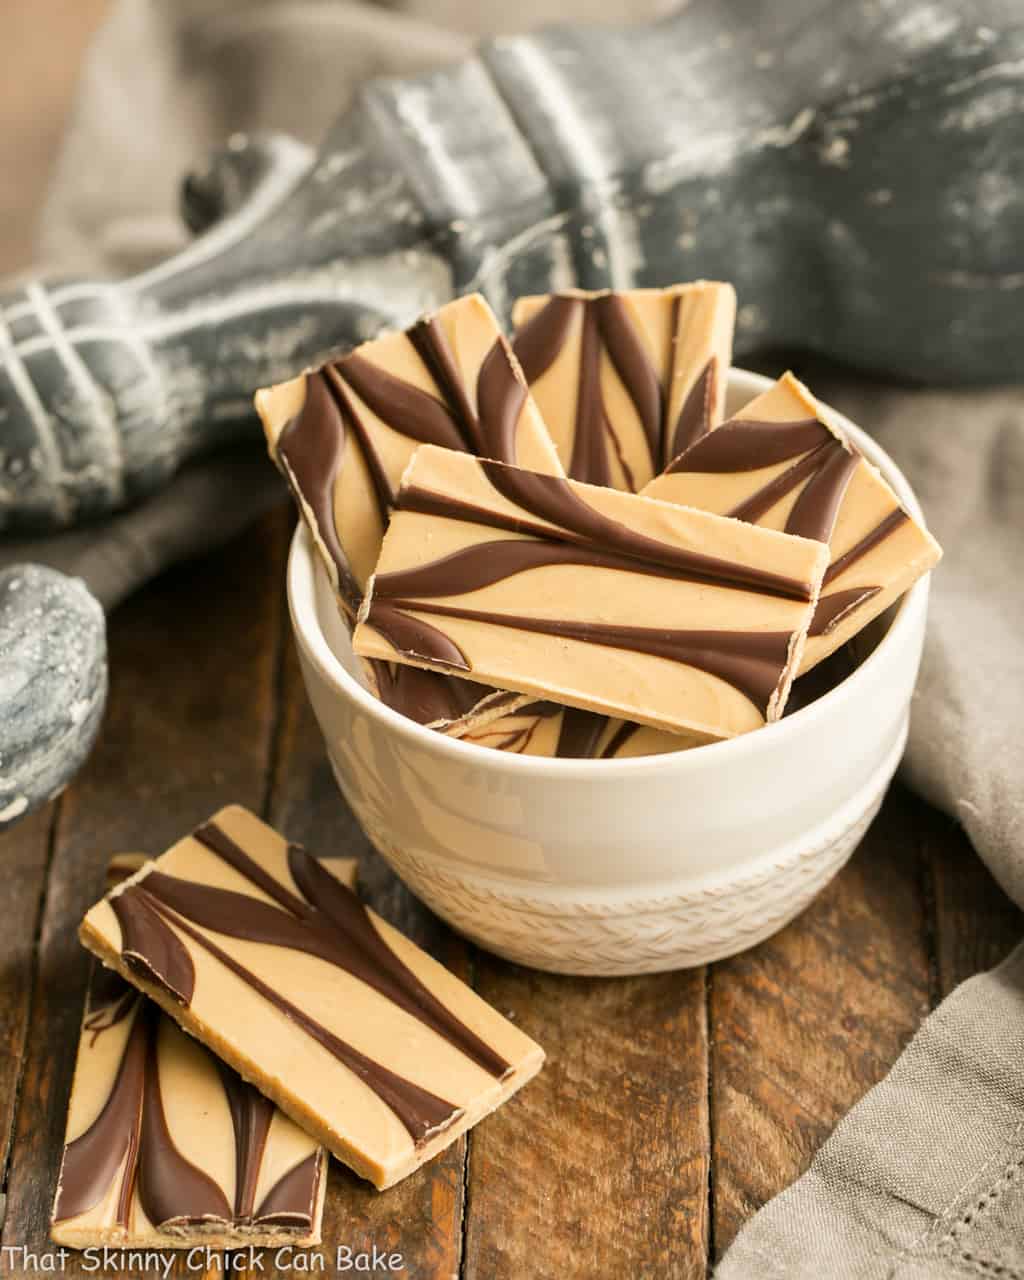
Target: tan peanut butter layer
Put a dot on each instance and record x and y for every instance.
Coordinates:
(590, 597)
(784, 463)
(343, 434)
(367, 1043)
(625, 381)
(547, 729)
(168, 1148)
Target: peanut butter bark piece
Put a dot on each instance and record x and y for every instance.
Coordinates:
(625, 381)
(168, 1148)
(343, 434)
(590, 597)
(784, 463)
(367, 1043)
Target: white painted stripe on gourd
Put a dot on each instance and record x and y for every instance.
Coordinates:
(618, 226)
(88, 388)
(46, 437)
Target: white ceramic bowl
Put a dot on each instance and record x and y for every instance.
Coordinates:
(616, 866)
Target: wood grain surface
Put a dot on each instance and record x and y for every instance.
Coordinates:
(671, 1106)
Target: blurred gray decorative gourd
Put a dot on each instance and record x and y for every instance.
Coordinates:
(856, 170)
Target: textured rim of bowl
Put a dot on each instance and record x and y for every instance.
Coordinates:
(302, 602)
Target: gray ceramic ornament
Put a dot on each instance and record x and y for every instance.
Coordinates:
(53, 684)
(856, 169)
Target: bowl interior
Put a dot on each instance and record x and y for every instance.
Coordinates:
(324, 636)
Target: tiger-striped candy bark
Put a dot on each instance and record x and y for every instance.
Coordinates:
(784, 463)
(166, 1147)
(343, 435)
(254, 948)
(625, 381)
(590, 597)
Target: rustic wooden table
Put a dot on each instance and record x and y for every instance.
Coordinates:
(671, 1107)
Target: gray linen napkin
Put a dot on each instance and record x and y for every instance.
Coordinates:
(924, 1177)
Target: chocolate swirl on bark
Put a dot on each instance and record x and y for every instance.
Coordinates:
(421, 1112)
(608, 331)
(694, 421)
(750, 661)
(311, 449)
(130, 1146)
(333, 424)
(92, 1160)
(559, 513)
(821, 473)
(328, 921)
(171, 1188)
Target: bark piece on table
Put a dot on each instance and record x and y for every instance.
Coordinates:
(385, 1062)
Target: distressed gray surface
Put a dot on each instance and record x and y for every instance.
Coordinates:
(853, 168)
(53, 684)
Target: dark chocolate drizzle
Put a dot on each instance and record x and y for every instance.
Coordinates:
(152, 949)
(570, 519)
(413, 412)
(328, 921)
(831, 609)
(579, 734)
(311, 447)
(92, 1160)
(382, 490)
(416, 638)
(500, 398)
(171, 1188)
(111, 1000)
(607, 327)
(424, 696)
(251, 1114)
(878, 534)
(750, 661)
(814, 512)
(431, 342)
(633, 365)
(485, 563)
(747, 444)
(292, 1198)
(824, 472)
(762, 500)
(694, 421)
(589, 460)
(538, 342)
